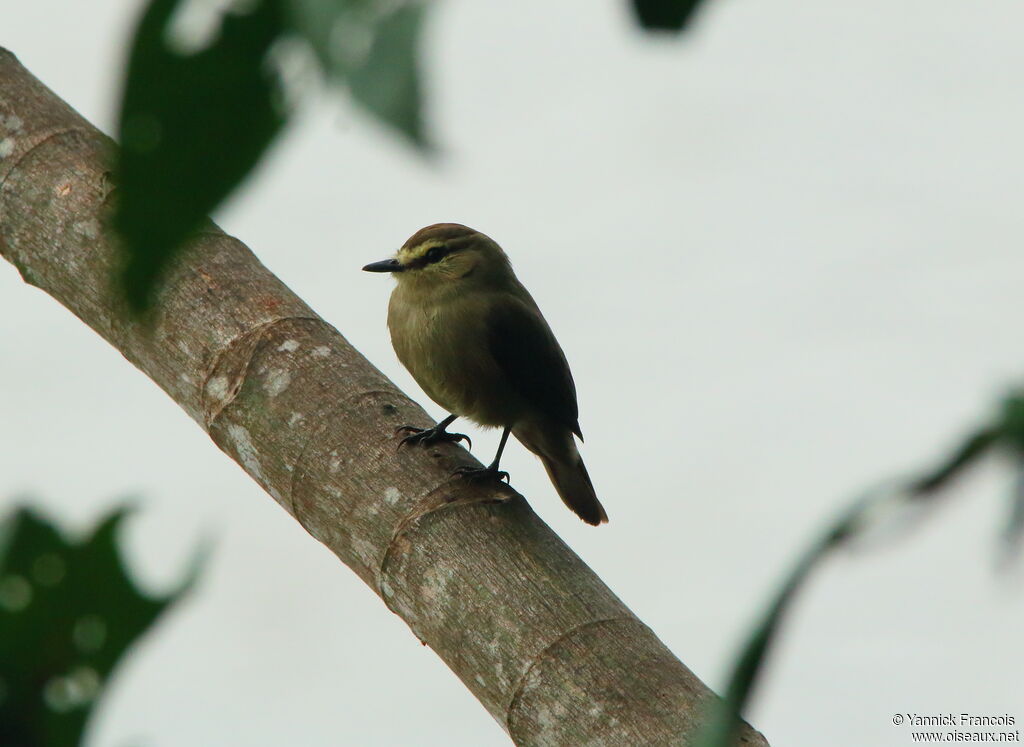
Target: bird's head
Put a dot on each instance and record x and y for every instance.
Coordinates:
(446, 253)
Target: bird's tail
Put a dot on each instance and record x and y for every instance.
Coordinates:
(572, 482)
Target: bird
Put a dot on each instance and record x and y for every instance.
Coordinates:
(475, 341)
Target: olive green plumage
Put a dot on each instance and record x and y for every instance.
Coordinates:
(474, 340)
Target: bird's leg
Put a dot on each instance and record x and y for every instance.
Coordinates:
(427, 436)
(491, 471)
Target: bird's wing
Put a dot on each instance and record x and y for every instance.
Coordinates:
(527, 353)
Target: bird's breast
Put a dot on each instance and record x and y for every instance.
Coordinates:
(444, 345)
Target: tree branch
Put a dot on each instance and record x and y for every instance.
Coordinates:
(547, 648)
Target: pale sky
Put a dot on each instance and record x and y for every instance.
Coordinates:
(783, 256)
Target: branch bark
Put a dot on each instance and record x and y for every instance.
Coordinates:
(544, 645)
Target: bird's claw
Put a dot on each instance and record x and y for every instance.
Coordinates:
(480, 474)
(427, 436)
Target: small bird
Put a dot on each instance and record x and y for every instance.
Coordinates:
(474, 340)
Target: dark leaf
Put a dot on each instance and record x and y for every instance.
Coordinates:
(193, 124)
(882, 506)
(1011, 430)
(68, 612)
(340, 32)
(1013, 532)
(665, 15)
(723, 722)
(1011, 423)
(388, 82)
(967, 455)
(372, 46)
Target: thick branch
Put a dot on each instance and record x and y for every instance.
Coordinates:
(547, 648)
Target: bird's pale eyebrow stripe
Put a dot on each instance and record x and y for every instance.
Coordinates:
(417, 255)
(420, 250)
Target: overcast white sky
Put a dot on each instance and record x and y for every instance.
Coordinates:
(783, 256)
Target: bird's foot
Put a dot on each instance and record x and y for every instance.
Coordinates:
(481, 474)
(427, 436)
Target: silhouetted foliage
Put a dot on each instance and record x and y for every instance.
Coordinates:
(1004, 434)
(197, 114)
(665, 15)
(68, 613)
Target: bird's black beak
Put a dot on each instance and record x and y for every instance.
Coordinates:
(388, 265)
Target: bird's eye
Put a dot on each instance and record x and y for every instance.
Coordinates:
(436, 253)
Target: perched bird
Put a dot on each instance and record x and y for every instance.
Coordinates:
(474, 340)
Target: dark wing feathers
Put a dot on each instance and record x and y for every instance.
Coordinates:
(528, 354)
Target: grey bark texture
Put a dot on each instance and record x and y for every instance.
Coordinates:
(545, 646)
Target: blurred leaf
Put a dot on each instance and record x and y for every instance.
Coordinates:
(723, 722)
(68, 613)
(969, 452)
(1011, 422)
(372, 46)
(388, 83)
(1012, 426)
(1013, 532)
(665, 15)
(339, 31)
(193, 124)
(861, 517)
